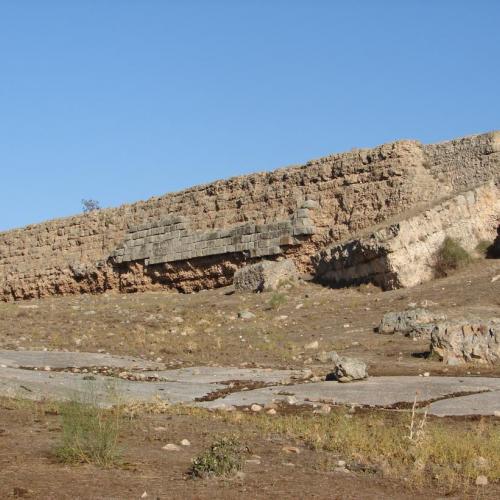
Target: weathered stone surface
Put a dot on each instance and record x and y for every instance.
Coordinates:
(58, 359)
(416, 322)
(264, 276)
(485, 403)
(171, 239)
(403, 253)
(192, 385)
(374, 391)
(340, 195)
(467, 341)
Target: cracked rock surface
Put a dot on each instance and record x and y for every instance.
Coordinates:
(215, 387)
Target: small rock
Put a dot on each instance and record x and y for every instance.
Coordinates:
(185, 442)
(256, 408)
(427, 374)
(271, 411)
(341, 463)
(291, 449)
(496, 413)
(312, 345)
(323, 410)
(171, 447)
(481, 480)
(291, 400)
(144, 495)
(20, 492)
(246, 315)
(342, 470)
(252, 461)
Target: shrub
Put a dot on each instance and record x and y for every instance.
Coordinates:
(450, 256)
(90, 205)
(224, 457)
(277, 300)
(89, 434)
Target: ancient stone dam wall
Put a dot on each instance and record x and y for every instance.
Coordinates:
(197, 238)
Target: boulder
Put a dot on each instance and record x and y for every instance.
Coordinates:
(462, 341)
(265, 276)
(416, 322)
(347, 369)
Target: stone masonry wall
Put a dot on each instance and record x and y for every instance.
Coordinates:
(350, 191)
(403, 253)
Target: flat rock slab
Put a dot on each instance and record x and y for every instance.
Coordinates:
(212, 374)
(445, 395)
(61, 360)
(486, 403)
(376, 391)
(105, 391)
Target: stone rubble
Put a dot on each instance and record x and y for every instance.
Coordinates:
(417, 322)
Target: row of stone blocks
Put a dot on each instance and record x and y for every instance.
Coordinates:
(170, 239)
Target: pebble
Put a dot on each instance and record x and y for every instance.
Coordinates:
(185, 442)
(312, 345)
(291, 449)
(144, 495)
(246, 315)
(291, 400)
(271, 411)
(427, 374)
(252, 461)
(496, 413)
(171, 447)
(256, 408)
(323, 410)
(481, 481)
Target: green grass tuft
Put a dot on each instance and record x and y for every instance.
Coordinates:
(223, 458)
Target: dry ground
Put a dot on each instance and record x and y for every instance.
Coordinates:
(204, 329)
(28, 468)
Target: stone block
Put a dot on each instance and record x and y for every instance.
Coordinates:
(264, 276)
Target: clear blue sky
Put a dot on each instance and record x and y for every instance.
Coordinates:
(120, 100)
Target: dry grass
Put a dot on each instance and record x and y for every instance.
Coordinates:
(450, 453)
(450, 257)
(89, 433)
(401, 445)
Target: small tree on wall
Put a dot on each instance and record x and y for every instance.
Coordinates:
(90, 206)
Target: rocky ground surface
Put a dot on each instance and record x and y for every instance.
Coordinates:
(252, 354)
